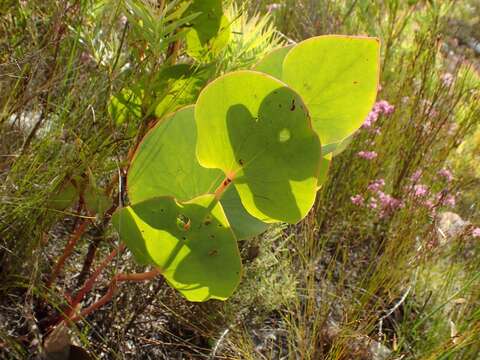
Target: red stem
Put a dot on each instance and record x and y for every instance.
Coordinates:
(87, 287)
(68, 251)
(149, 275)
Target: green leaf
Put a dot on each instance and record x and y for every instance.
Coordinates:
(65, 196)
(179, 85)
(324, 167)
(165, 163)
(191, 243)
(243, 224)
(96, 201)
(124, 104)
(258, 132)
(337, 77)
(210, 31)
(272, 63)
(334, 149)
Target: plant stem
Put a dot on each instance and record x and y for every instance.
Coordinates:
(87, 287)
(80, 229)
(145, 276)
(223, 186)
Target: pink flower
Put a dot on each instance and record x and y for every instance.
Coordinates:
(388, 201)
(385, 107)
(388, 204)
(476, 232)
(429, 204)
(420, 190)
(449, 200)
(446, 174)
(416, 176)
(357, 200)
(380, 107)
(447, 79)
(373, 203)
(372, 117)
(368, 155)
(376, 185)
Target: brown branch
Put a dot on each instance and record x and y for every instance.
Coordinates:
(149, 275)
(87, 287)
(99, 233)
(80, 229)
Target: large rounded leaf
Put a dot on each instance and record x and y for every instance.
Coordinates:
(257, 130)
(165, 163)
(337, 77)
(191, 243)
(210, 31)
(272, 63)
(243, 224)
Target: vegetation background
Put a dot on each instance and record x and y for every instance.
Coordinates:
(387, 266)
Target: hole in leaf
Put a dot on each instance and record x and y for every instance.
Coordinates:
(207, 221)
(183, 222)
(284, 135)
(293, 105)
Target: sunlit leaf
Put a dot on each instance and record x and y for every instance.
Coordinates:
(191, 243)
(337, 77)
(272, 63)
(165, 164)
(258, 132)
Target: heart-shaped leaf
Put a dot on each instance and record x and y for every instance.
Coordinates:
(191, 243)
(257, 130)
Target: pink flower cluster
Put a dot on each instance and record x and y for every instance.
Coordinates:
(476, 232)
(378, 200)
(357, 200)
(425, 197)
(420, 190)
(368, 155)
(376, 185)
(388, 204)
(447, 79)
(446, 174)
(380, 107)
(416, 176)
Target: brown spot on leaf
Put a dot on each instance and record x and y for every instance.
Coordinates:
(293, 105)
